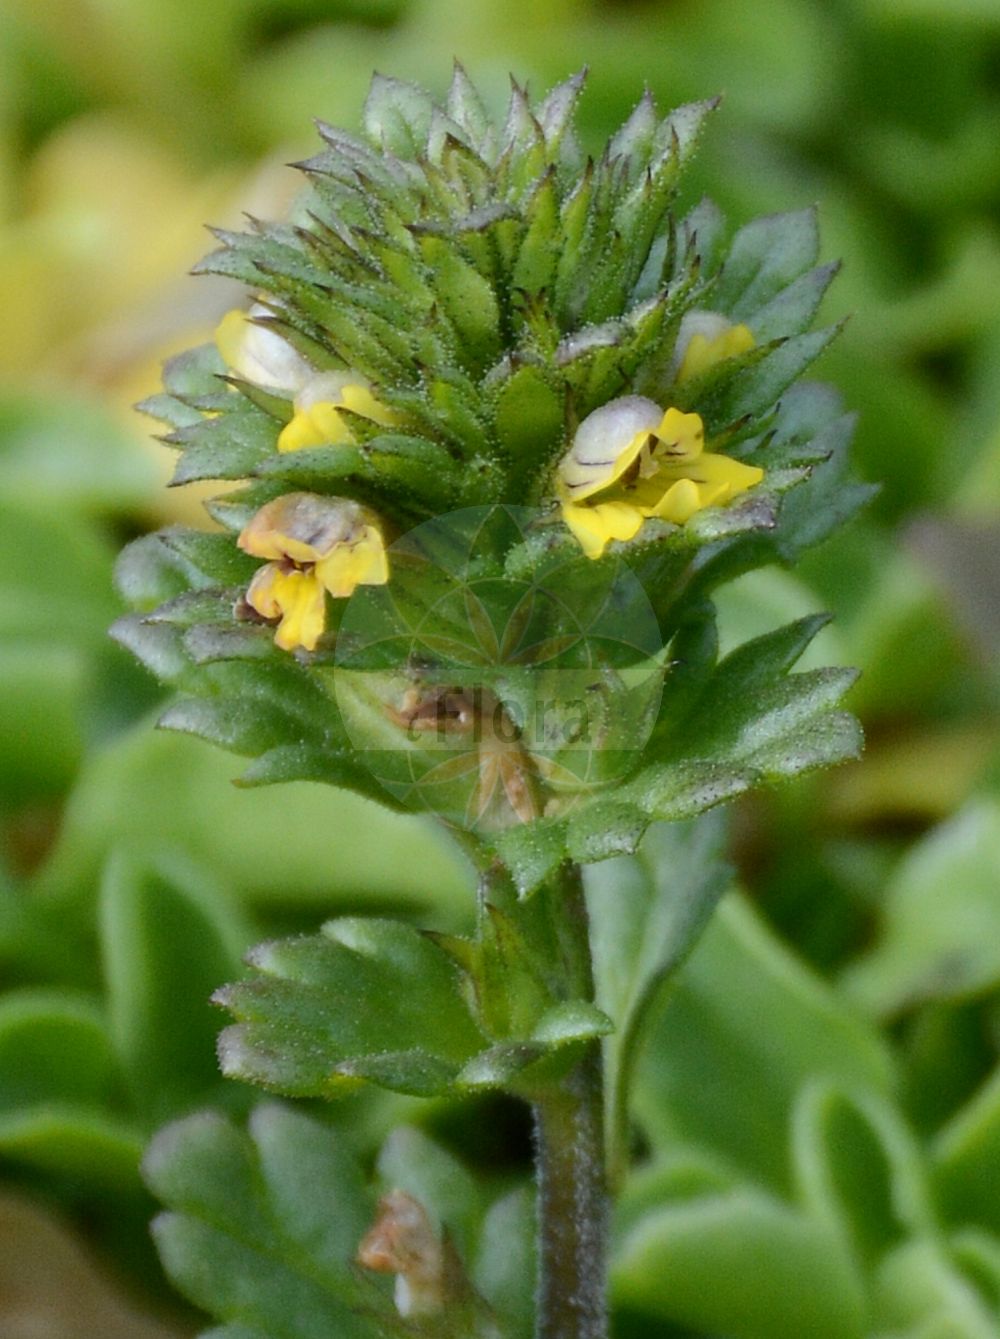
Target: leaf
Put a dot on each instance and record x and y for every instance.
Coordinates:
(89, 1146)
(764, 257)
(397, 116)
(505, 1266)
(363, 999)
(298, 842)
(230, 446)
(740, 1264)
(162, 566)
(532, 851)
(940, 934)
(466, 108)
(554, 113)
(743, 1007)
(193, 376)
(859, 1168)
(252, 728)
(529, 417)
(919, 1285)
(791, 311)
(538, 255)
(467, 300)
(646, 913)
(54, 1047)
(556, 1034)
(745, 724)
(409, 1160)
(966, 1158)
(759, 386)
(752, 723)
(263, 1226)
(753, 713)
(169, 936)
(379, 1001)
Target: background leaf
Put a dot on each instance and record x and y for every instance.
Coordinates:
(646, 913)
(259, 1249)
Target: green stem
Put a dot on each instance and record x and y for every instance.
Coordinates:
(569, 1130)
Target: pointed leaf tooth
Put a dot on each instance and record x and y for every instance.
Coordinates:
(276, 406)
(791, 311)
(397, 116)
(217, 453)
(574, 210)
(158, 646)
(465, 106)
(465, 953)
(704, 229)
(593, 285)
(343, 142)
(772, 654)
(193, 376)
(236, 726)
(468, 173)
(634, 139)
(442, 132)
(299, 762)
(763, 380)
(333, 241)
(524, 150)
(169, 410)
(765, 256)
(681, 130)
(520, 125)
(554, 114)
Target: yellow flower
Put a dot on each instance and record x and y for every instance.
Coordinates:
(316, 546)
(706, 338)
(631, 460)
(259, 354)
(318, 420)
(262, 356)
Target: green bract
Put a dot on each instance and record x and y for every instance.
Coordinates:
(451, 301)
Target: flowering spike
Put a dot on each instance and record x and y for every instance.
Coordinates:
(463, 315)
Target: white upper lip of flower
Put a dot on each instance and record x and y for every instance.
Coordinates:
(267, 359)
(599, 441)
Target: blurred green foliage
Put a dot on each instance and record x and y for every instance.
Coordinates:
(818, 1103)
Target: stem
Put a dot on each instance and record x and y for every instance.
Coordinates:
(569, 1131)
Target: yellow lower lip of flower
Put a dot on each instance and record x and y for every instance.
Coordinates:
(317, 546)
(674, 493)
(321, 424)
(362, 563)
(596, 525)
(297, 598)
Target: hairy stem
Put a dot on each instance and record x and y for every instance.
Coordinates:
(569, 1133)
